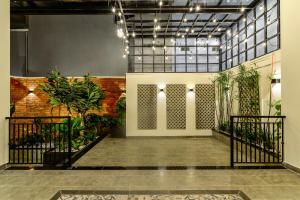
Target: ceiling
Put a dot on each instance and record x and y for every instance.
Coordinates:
(174, 16)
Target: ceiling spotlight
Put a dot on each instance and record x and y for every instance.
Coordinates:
(190, 57)
(182, 36)
(160, 3)
(155, 20)
(153, 41)
(113, 9)
(124, 55)
(153, 48)
(215, 20)
(121, 21)
(172, 40)
(187, 30)
(133, 34)
(245, 40)
(165, 47)
(157, 27)
(185, 19)
(237, 36)
(197, 7)
(178, 34)
(120, 14)
(155, 36)
(228, 32)
(191, 9)
(167, 57)
(244, 19)
(264, 44)
(192, 30)
(261, 7)
(126, 41)
(120, 33)
(139, 58)
(209, 36)
(219, 29)
(242, 9)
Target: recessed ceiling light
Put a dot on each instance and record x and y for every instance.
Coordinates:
(198, 7)
(160, 3)
(185, 19)
(113, 9)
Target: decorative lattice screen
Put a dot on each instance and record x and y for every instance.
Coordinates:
(147, 106)
(249, 103)
(205, 106)
(176, 106)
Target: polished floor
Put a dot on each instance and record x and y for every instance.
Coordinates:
(157, 151)
(273, 184)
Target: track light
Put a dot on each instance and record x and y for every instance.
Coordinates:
(219, 29)
(113, 9)
(155, 36)
(133, 34)
(215, 20)
(197, 7)
(165, 48)
(185, 19)
(160, 3)
(187, 30)
(120, 33)
(153, 48)
(139, 58)
(178, 34)
(182, 36)
(121, 21)
(242, 9)
(191, 9)
(209, 36)
(167, 57)
(119, 14)
(244, 19)
(155, 20)
(192, 31)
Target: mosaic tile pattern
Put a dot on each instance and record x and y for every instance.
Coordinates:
(147, 106)
(176, 106)
(205, 106)
(94, 195)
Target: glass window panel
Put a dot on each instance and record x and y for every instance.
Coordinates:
(213, 59)
(260, 36)
(229, 54)
(224, 66)
(250, 42)
(202, 67)
(234, 29)
(272, 44)
(242, 24)
(180, 68)
(170, 68)
(191, 68)
(260, 23)
(180, 59)
(202, 50)
(180, 50)
(242, 46)
(235, 40)
(148, 59)
(271, 3)
(260, 50)
(191, 59)
(213, 67)
(235, 61)
(148, 50)
(229, 64)
(235, 50)
(250, 17)
(250, 54)
(242, 35)
(138, 50)
(272, 29)
(223, 56)
(159, 68)
(213, 50)
(272, 15)
(259, 9)
(250, 30)
(137, 59)
(202, 59)
(138, 68)
(148, 68)
(242, 58)
(159, 59)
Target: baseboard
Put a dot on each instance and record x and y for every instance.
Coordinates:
(291, 167)
(4, 166)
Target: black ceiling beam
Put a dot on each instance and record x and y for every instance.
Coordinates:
(177, 21)
(170, 27)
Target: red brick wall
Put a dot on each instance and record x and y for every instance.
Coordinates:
(36, 103)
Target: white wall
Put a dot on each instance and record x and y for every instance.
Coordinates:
(161, 79)
(4, 77)
(290, 43)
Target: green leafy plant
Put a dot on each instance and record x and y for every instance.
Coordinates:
(77, 143)
(121, 110)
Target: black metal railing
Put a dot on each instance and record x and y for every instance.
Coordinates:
(257, 140)
(40, 140)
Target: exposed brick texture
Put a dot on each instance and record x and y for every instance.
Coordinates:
(36, 103)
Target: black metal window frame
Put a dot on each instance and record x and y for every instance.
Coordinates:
(198, 65)
(227, 46)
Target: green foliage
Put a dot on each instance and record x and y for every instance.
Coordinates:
(277, 107)
(248, 96)
(224, 84)
(78, 96)
(121, 110)
(78, 142)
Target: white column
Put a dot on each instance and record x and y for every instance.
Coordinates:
(290, 41)
(4, 77)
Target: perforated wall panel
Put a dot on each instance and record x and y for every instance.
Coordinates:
(176, 106)
(205, 106)
(147, 106)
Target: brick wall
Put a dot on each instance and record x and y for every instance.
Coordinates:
(30, 101)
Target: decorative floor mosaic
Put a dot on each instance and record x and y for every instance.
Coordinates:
(168, 195)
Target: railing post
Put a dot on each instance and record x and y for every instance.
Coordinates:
(282, 140)
(69, 142)
(231, 142)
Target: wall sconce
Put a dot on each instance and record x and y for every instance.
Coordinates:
(191, 89)
(30, 91)
(161, 90)
(276, 80)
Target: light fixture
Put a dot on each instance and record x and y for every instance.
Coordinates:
(264, 44)
(157, 27)
(155, 36)
(228, 32)
(124, 37)
(121, 21)
(120, 14)
(172, 40)
(219, 29)
(276, 80)
(185, 19)
(155, 20)
(166, 57)
(139, 58)
(124, 55)
(187, 30)
(191, 9)
(113, 9)
(133, 34)
(215, 20)
(242, 9)
(165, 48)
(153, 48)
(182, 36)
(120, 32)
(126, 41)
(244, 19)
(178, 34)
(153, 41)
(261, 7)
(209, 36)
(198, 7)
(160, 3)
(190, 57)
(192, 30)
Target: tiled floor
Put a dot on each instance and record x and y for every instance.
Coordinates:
(158, 151)
(270, 184)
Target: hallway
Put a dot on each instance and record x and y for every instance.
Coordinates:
(157, 151)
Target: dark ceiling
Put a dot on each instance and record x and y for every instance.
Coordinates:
(214, 17)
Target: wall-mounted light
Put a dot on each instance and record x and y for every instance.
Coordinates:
(276, 80)
(30, 91)
(161, 90)
(191, 89)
